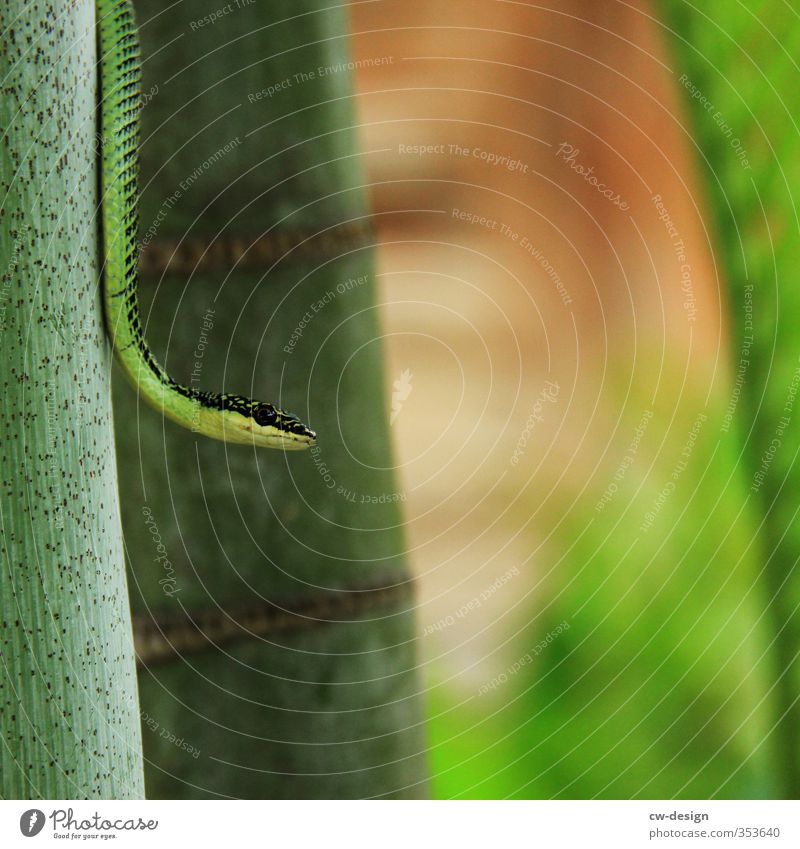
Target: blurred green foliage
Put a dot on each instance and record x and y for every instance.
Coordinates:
(661, 685)
(741, 58)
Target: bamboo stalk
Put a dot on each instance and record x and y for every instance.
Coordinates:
(68, 709)
(273, 594)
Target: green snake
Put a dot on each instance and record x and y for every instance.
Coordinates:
(231, 418)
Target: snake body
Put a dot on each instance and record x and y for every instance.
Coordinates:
(231, 418)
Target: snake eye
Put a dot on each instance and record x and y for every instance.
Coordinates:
(265, 415)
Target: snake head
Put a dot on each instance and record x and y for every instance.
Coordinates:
(277, 429)
(234, 418)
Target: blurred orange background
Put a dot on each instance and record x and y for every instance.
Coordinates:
(559, 283)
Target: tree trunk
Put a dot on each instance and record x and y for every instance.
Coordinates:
(273, 608)
(68, 711)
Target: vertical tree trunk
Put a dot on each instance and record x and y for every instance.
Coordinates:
(274, 602)
(738, 69)
(68, 712)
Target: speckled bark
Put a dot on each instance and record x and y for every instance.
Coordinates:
(68, 712)
(233, 153)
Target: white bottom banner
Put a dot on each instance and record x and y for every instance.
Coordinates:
(387, 824)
